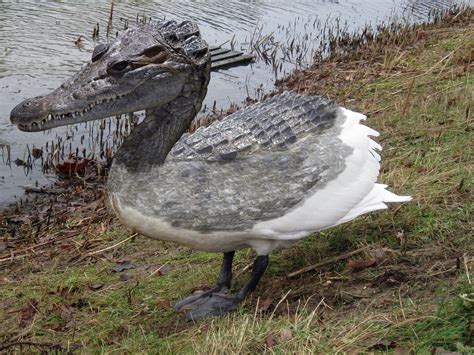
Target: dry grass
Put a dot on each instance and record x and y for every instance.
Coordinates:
(409, 287)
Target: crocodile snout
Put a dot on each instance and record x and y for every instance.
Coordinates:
(29, 111)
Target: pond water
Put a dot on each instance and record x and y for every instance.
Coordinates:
(38, 51)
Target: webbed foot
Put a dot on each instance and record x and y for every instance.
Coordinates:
(206, 304)
(219, 300)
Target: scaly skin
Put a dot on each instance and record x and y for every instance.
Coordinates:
(144, 68)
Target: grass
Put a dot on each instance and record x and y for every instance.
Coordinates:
(418, 94)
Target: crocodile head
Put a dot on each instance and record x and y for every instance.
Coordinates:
(144, 67)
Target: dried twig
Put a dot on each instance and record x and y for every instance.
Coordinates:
(109, 24)
(157, 270)
(278, 304)
(326, 262)
(18, 253)
(110, 247)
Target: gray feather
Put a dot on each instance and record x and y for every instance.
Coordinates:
(257, 164)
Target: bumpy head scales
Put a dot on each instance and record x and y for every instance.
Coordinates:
(144, 67)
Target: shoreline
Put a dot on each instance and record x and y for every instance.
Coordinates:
(309, 81)
(421, 75)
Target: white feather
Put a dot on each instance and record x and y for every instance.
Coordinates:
(375, 200)
(352, 193)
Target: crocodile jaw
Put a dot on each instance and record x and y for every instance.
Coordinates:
(137, 71)
(46, 116)
(64, 106)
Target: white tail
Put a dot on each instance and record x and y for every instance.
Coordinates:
(375, 200)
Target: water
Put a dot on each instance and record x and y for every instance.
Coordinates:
(38, 51)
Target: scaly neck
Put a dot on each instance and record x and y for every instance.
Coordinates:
(150, 142)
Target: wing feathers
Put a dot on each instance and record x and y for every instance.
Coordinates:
(352, 193)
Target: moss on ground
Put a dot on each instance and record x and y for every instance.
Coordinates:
(418, 93)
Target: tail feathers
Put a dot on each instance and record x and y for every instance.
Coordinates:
(375, 200)
(389, 196)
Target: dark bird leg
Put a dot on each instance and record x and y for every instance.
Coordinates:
(218, 300)
(260, 264)
(223, 284)
(225, 275)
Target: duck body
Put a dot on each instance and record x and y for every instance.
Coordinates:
(263, 177)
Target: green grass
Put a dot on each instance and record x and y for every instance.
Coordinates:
(410, 300)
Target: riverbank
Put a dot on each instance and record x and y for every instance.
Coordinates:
(72, 278)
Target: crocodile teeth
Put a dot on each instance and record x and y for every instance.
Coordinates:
(73, 115)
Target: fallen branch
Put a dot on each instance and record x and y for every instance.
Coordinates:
(12, 257)
(326, 262)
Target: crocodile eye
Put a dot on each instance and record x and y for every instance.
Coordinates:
(117, 67)
(120, 65)
(99, 51)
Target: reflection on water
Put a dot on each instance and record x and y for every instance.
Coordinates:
(38, 50)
